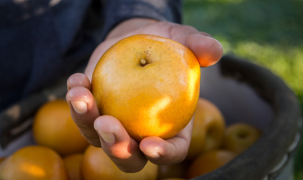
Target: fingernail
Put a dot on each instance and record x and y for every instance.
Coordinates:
(154, 153)
(80, 107)
(107, 137)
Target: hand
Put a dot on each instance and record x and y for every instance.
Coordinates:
(106, 131)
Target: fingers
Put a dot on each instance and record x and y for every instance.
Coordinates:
(78, 79)
(207, 49)
(116, 143)
(84, 112)
(170, 151)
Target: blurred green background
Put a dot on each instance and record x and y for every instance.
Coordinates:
(266, 32)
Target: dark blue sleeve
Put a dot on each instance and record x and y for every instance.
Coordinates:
(116, 11)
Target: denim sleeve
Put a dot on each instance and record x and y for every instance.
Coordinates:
(116, 11)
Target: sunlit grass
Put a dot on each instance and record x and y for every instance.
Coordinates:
(299, 175)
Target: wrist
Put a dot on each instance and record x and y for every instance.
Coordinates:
(128, 26)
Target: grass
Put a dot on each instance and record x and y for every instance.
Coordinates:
(269, 33)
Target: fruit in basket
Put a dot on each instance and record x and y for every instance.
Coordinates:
(33, 163)
(151, 84)
(208, 129)
(73, 166)
(172, 171)
(97, 165)
(54, 127)
(240, 136)
(208, 162)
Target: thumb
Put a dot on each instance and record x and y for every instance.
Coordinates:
(207, 49)
(118, 145)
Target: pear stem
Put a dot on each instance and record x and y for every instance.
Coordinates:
(143, 62)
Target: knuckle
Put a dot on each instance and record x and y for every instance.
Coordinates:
(183, 28)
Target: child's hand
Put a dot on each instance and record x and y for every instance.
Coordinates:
(107, 131)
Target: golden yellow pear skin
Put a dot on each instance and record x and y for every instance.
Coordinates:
(208, 129)
(54, 127)
(208, 162)
(97, 165)
(240, 136)
(33, 163)
(151, 84)
(73, 164)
